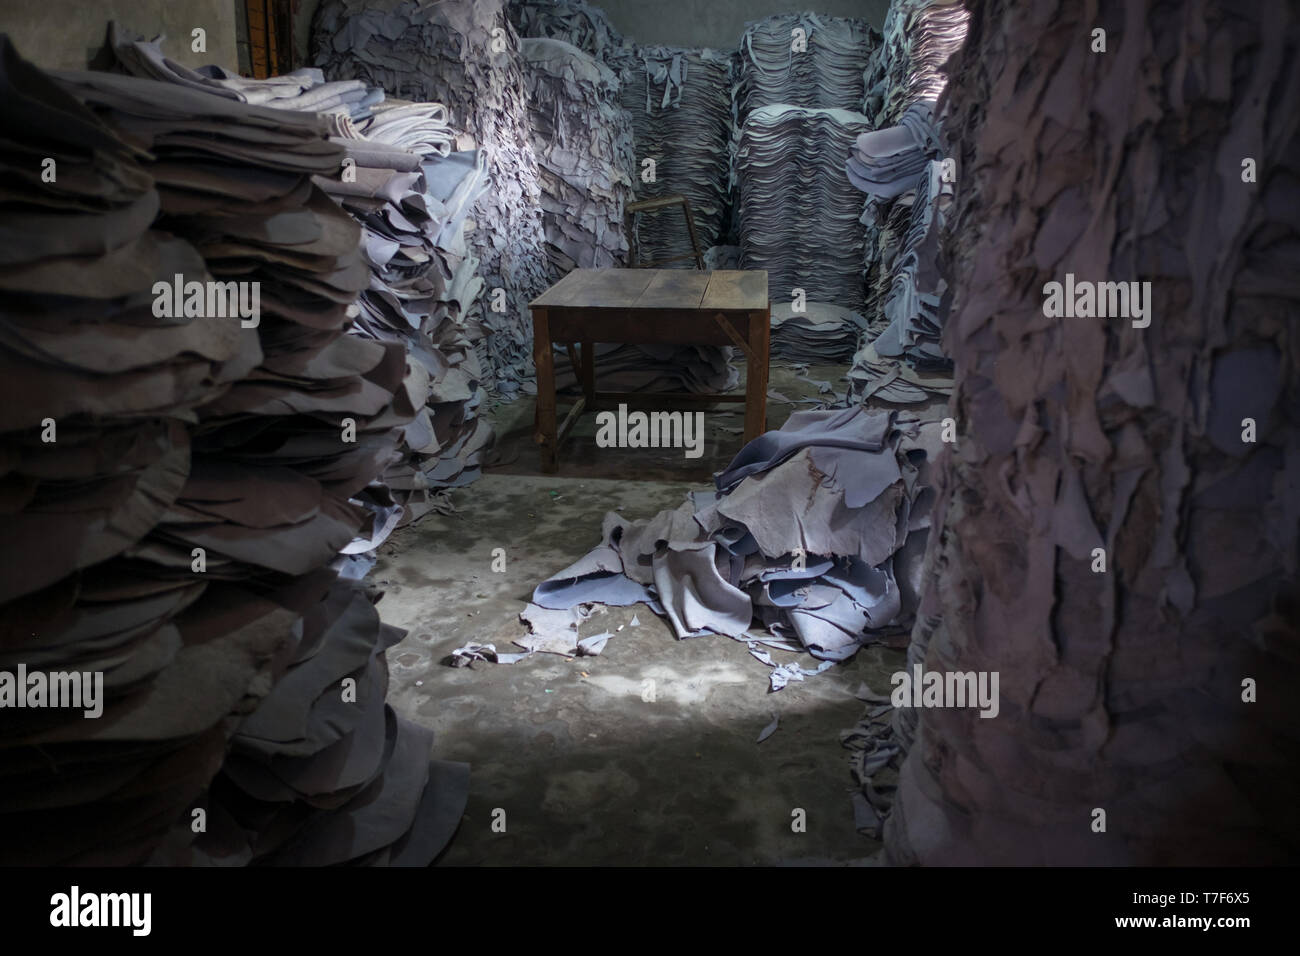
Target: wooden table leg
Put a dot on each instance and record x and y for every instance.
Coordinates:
(588, 359)
(544, 362)
(756, 374)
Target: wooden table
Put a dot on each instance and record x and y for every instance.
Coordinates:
(648, 307)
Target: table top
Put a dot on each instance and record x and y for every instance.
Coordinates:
(722, 290)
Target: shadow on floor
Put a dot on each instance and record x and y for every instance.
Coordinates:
(515, 452)
(586, 769)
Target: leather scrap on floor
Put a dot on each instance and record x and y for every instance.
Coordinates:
(826, 577)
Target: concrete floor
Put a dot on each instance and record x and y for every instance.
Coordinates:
(586, 770)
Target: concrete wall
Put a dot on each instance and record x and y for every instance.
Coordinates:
(66, 34)
(688, 23)
(719, 23)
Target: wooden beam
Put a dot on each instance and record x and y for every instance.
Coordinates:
(736, 337)
(650, 399)
(588, 376)
(570, 420)
(544, 361)
(756, 374)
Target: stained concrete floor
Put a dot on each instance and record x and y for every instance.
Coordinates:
(648, 753)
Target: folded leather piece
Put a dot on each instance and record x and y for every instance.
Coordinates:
(800, 539)
(886, 162)
(466, 56)
(197, 487)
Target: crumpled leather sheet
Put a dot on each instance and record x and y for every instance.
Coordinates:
(788, 162)
(680, 105)
(822, 334)
(443, 52)
(1121, 690)
(573, 21)
(847, 428)
(828, 74)
(246, 459)
(840, 484)
(583, 142)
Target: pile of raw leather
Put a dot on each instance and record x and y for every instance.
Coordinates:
(826, 72)
(901, 169)
(885, 223)
(1123, 686)
(815, 533)
(411, 195)
(583, 142)
(919, 37)
(680, 105)
(572, 21)
(463, 53)
(821, 333)
(179, 482)
(790, 172)
(914, 307)
(412, 202)
(888, 165)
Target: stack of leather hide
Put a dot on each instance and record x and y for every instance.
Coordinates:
(181, 462)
